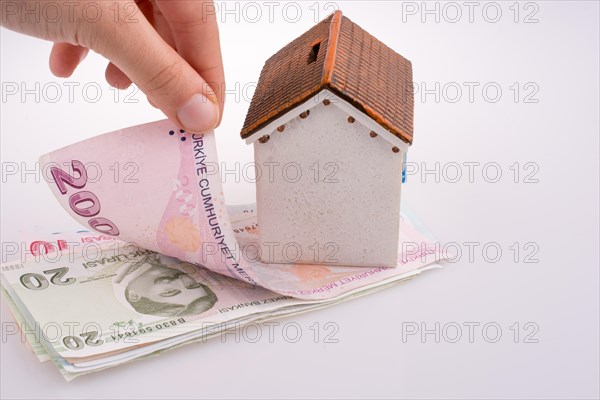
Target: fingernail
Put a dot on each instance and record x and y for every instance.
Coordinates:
(198, 114)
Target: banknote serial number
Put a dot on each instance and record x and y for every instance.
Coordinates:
(12, 267)
(93, 338)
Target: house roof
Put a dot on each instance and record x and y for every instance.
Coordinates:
(337, 55)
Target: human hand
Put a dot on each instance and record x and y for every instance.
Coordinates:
(169, 48)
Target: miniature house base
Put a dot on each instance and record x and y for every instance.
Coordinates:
(328, 191)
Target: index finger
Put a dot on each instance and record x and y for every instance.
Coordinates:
(196, 34)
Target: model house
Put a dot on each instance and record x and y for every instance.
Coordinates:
(331, 121)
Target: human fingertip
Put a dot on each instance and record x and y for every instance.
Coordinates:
(116, 78)
(198, 114)
(64, 59)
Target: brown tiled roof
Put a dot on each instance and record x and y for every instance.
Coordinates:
(338, 55)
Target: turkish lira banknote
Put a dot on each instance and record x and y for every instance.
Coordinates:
(168, 262)
(131, 302)
(172, 202)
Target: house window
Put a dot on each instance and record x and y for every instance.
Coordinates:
(314, 52)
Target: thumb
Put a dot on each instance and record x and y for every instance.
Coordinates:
(170, 83)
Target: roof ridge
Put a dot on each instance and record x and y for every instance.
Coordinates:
(334, 35)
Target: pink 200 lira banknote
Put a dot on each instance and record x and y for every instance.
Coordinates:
(172, 202)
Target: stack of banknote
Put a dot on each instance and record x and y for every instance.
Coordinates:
(169, 263)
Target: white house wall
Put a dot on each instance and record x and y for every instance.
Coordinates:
(325, 180)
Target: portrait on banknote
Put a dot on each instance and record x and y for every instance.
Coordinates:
(150, 286)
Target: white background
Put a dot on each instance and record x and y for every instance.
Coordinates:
(558, 134)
